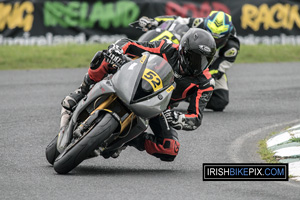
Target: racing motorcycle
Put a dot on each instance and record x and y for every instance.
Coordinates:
(114, 112)
(172, 30)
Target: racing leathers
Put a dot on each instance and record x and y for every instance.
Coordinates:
(224, 59)
(163, 143)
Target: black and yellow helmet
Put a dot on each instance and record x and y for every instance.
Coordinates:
(219, 24)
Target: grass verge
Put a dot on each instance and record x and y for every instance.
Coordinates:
(266, 53)
(265, 153)
(74, 56)
(40, 57)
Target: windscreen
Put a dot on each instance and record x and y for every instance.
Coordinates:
(157, 75)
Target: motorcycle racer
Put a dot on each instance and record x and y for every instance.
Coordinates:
(190, 61)
(219, 24)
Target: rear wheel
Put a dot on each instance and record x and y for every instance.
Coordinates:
(84, 147)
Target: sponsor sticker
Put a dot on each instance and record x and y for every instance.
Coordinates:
(170, 89)
(143, 59)
(205, 48)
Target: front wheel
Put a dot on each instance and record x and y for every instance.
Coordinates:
(80, 150)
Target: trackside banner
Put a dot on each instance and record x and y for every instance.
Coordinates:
(42, 22)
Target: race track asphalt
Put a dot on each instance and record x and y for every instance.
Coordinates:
(263, 98)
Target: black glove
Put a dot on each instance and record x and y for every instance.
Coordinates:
(114, 56)
(175, 119)
(97, 59)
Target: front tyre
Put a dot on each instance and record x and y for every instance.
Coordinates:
(79, 151)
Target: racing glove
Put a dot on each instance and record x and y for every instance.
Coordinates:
(97, 59)
(175, 119)
(147, 23)
(114, 56)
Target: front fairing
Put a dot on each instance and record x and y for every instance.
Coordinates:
(145, 85)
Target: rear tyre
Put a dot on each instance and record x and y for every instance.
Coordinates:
(83, 148)
(51, 151)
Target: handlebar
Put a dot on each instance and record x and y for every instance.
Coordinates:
(125, 59)
(135, 25)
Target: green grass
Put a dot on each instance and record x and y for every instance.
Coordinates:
(74, 56)
(39, 57)
(265, 53)
(265, 153)
(294, 140)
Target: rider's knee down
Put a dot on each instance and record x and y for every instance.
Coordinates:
(219, 100)
(220, 104)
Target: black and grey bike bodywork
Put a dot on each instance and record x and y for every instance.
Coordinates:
(115, 111)
(172, 30)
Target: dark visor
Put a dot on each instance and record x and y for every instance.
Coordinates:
(220, 42)
(197, 63)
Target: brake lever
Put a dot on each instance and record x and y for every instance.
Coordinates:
(135, 25)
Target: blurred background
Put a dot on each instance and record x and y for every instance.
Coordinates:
(42, 23)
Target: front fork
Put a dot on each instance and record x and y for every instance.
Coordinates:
(65, 116)
(105, 106)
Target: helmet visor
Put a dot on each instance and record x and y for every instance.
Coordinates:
(220, 42)
(197, 63)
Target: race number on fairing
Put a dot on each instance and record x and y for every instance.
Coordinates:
(153, 79)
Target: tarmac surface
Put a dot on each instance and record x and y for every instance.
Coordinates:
(263, 98)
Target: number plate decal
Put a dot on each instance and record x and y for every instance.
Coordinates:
(153, 79)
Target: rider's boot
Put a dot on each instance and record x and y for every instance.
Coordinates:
(113, 154)
(166, 149)
(71, 101)
(139, 142)
(117, 153)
